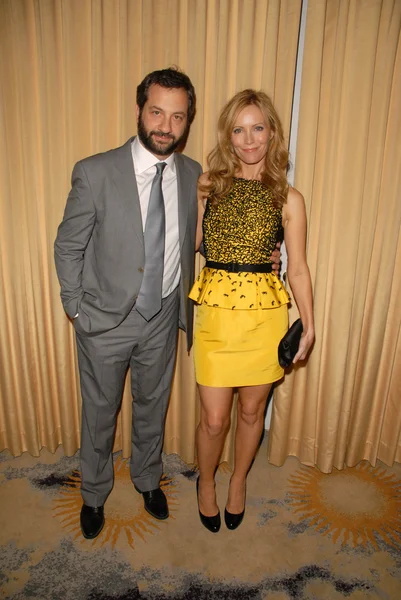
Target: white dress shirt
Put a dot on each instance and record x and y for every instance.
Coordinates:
(145, 170)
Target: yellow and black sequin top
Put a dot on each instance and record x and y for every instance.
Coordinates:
(243, 228)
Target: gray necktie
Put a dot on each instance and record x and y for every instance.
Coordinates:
(149, 301)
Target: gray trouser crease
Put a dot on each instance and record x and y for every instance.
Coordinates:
(149, 348)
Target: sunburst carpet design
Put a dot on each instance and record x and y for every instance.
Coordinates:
(305, 535)
(361, 506)
(124, 517)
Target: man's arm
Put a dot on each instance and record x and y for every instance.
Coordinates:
(203, 179)
(72, 239)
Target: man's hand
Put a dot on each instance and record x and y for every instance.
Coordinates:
(276, 258)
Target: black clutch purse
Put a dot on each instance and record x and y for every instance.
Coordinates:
(288, 346)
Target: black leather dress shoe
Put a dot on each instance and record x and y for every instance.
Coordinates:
(211, 523)
(156, 504)
(233, 520)
(92, 521)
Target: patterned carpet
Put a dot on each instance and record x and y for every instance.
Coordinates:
(305, 536)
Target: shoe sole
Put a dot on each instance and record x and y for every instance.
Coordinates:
(158, 517)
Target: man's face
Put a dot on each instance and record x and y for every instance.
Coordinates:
(163, 121)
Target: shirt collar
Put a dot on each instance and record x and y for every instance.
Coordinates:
(144, 160)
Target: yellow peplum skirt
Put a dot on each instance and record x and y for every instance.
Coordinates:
(235, 347)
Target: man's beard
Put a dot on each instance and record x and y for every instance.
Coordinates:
(147, 140)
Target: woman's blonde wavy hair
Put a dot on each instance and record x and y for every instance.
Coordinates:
(223, 164)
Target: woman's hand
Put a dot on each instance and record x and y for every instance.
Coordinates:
(305, 344)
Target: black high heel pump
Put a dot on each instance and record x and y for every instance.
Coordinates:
(211, 523)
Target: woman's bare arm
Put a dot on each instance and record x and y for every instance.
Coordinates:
(294, 222)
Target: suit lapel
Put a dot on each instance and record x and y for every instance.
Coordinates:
(184, 184)
(125, 181)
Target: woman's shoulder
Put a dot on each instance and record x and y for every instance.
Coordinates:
(295, 204)
(204, 179)
(294, 196)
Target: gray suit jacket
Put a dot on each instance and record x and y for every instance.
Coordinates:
(99, 249)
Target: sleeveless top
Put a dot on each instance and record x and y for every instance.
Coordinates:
(243, 227)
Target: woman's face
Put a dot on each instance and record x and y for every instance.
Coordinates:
(251, 135)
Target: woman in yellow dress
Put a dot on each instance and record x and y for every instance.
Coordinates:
(244, 200)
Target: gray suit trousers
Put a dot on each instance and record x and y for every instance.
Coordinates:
(149, 348)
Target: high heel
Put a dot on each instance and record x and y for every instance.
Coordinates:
(211, 523)
(234, 520)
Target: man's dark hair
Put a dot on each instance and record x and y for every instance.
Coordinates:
(167, 78)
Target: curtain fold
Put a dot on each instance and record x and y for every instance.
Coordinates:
(69, 71)
(343, 406)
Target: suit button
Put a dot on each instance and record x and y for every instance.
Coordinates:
(140, 269)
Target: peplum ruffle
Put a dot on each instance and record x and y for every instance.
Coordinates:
(243, 291)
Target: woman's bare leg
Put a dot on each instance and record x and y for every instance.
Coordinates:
(211, 433)
(250, 423)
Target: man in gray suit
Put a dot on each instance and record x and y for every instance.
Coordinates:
(125, 261)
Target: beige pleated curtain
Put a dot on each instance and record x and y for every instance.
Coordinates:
(69, 71)
(345, 405)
